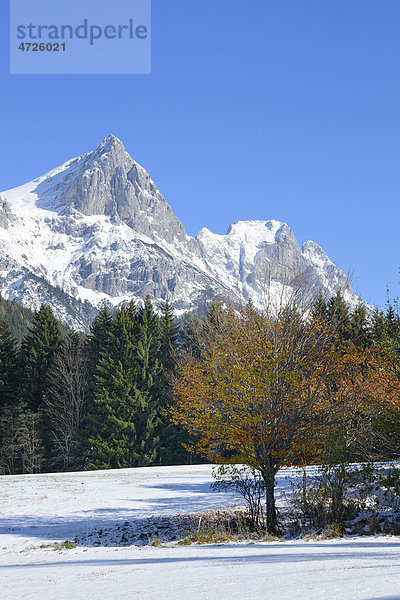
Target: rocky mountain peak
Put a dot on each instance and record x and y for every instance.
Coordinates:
(97, 228)
(110, 143)
(109, 182)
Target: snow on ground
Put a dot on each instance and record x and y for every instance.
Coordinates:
(37, 510)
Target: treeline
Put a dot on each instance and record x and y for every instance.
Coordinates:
(70, 402)
(381, 330)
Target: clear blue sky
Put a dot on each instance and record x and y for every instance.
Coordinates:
(254, 110)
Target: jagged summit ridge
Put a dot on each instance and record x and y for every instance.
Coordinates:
(98, 228)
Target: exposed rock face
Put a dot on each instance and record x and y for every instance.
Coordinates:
(109, 182)
(6, 214)
(97, 228)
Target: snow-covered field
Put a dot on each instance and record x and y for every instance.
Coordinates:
(38, 510)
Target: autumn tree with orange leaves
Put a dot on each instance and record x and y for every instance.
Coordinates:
(382, 384)
(266, 393)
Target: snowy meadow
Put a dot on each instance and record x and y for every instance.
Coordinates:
(111, 519)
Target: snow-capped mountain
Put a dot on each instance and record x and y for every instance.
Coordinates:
(98, 229)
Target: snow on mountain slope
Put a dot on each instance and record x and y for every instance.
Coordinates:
(97, 228)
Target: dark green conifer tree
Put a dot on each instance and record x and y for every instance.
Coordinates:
(123, 423)
(172, 437)
(98, 337)
(9, 371)
(20, 442)
(9, 376)
(378, 327)
(359, 327)
(169, 337)
(97, 346)
(112, 425)
(320, 308)
(147, 372)
(385, 329)
(392, 320)
(38, 349)
(338, 315)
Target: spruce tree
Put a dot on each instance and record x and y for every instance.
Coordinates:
(320, 308)
(169, 337)
(9, 405)
(98, 337)
(112, 425)
(392, 319)
(385, 328)
(96, 347)
(378, 328)
(9, 450)
(20, 442)
(123, 423)
(338, 315)
(38, 349)
(172, 436)
(359, 328)
(147, 372)
(9, 372)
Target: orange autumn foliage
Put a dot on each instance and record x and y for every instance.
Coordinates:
(267, 392)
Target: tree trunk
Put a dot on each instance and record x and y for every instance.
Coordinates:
(268, 474)
(338, 495)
